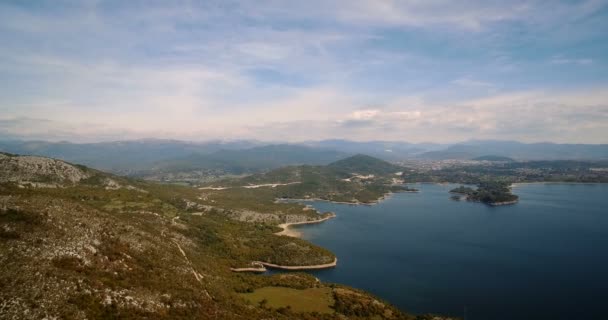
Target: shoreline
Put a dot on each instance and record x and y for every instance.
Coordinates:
(330, 201)
(517, 184)
(250, 186)
(503, 203)
(262, 267)
(512, 184)
(491, 204)
(288, 231)
(465, 197)
(357, 203)
(311, 267)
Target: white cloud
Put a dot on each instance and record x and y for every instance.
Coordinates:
(465, 15)
(364, 114)
(430, 13)
(573, 116)
(265, 51)
(138, 73)
(577, 61)
(468, 82)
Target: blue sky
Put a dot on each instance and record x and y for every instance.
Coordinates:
(432, 70)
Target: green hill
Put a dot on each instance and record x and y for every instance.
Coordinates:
(363, 164)
(357, 179)
(519, 151)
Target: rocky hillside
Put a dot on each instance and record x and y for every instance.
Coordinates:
(39, 170)
(85, 250)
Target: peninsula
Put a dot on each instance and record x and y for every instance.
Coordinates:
(260, 267)
(290, 232)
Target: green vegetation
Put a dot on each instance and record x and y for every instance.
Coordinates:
(18, 222)
(463, 190)
(363, 164)
(319, 300)
(493, 193)
(358, 179)
(110, 247)
(241, 243)
(327, 302)
(132, 255)
(494, 180)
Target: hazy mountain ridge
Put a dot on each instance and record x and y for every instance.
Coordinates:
(180, 159)
(252, 159)
(386, 150)
(520, 151)
(119, 156)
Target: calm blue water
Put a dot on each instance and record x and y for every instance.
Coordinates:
(543, 258)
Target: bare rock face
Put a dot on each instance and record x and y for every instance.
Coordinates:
(39, 170)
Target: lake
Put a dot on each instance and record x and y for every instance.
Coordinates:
(543, 258)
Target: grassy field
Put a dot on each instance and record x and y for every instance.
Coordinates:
(308, 300)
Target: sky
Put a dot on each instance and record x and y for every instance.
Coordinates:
(417, 71)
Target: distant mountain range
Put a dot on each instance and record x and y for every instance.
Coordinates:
(251, 159)
(121, 156)
(246, 156)
(387, 150)
(519, 151)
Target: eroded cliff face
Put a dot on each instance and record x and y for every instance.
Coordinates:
(39, 170)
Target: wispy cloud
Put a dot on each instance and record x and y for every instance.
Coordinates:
(578, 61)
(365, 69)
(574, 116)
(468, 82)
